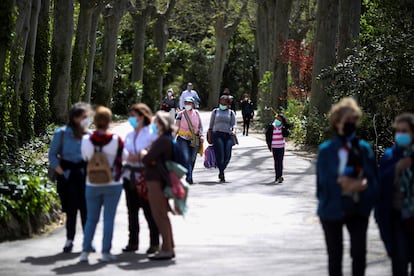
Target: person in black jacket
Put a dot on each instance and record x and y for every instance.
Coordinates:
(247, 110)
(275, 139)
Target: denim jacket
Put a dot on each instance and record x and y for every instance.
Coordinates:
(71, 148)
(328, 190)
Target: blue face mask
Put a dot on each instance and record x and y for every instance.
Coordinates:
(222, 107)
(403, 139)
(154, 128)
(277, 123)
(133, 121)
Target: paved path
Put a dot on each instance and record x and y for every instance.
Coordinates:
(246, 226)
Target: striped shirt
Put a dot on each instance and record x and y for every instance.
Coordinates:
(278, 141)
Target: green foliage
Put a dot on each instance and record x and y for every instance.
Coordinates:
(265, 111)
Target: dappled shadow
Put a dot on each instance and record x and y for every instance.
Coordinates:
(78, 267)
(47, 260)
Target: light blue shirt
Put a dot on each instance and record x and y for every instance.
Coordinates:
(71, 148)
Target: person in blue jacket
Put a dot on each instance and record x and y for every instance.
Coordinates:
(346, 189)
(394, 212)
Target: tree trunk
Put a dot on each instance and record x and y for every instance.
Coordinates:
(280, 67)
(6, 26)
(223, 32)
(92, 50)
(80, 48)
(60, 61)
(112, 19)
(349, 26)
(264, 35)
(324, 45)
(41, 65)
(26, 118)
(138, 52)
(222, 44)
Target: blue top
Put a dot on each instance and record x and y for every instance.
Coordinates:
(328, 190)
(71, 148)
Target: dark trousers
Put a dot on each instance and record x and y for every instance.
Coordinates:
(72, 198)
(222, 144)
(134, 203)
(357, 228)
(403, 251)
(278, 154)
(246, 124)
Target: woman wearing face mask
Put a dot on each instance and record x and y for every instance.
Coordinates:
(66, 158)
(222, 127)
(140, 116)
(170, 103)
(275, 139)
(189, 127)
(395, 209)
(346, 187)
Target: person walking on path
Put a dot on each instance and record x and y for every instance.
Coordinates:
(66, 159)
(275, 140)
(232, 103)
(102, 195)
(170, 103)
(247, 110)
(189, 93)
(347, 185)
(190, 134)
(140, 116)
(395, 208)
(222, 132)
(157, 179)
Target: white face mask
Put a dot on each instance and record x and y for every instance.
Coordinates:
(188, 107)
(85, 123)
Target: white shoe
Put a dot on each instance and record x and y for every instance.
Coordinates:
(84, 257)
(107, 257)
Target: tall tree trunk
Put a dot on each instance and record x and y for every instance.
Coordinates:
(6, 26)
(80, 48)
(138, 52)
(161, 38)
(223, 32)
(325, 48)
(264, 35)
(26, 117)
(280, 67)
(41, 66)
(92, 50)
(349, 26)
(60, 62)
(112, 18)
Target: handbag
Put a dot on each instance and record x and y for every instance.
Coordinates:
(234, 139)
(195, 138)
(51, 172)
(141, 186)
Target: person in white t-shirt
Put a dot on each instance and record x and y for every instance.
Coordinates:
(189, 93)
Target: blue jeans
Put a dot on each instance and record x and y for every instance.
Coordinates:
(222, 144)
(278, 154)
(96, 198)
(190, 154)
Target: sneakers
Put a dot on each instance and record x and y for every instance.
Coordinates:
(152, 249)
(68, 246)
(84, 257)
(107, 257)
(279, 180)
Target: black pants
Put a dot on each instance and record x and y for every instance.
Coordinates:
(357, 228)
(72, 198)
(246, 124)
(403, 250)
(134, 203)
(278, 154)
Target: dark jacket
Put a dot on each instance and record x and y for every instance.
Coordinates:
(384, 208)
(269, 134)
(329, 192)
(154, 161)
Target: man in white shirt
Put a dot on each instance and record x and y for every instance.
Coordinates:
(189, 93)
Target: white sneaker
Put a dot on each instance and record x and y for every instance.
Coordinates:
(107, 257)
(84, 257)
